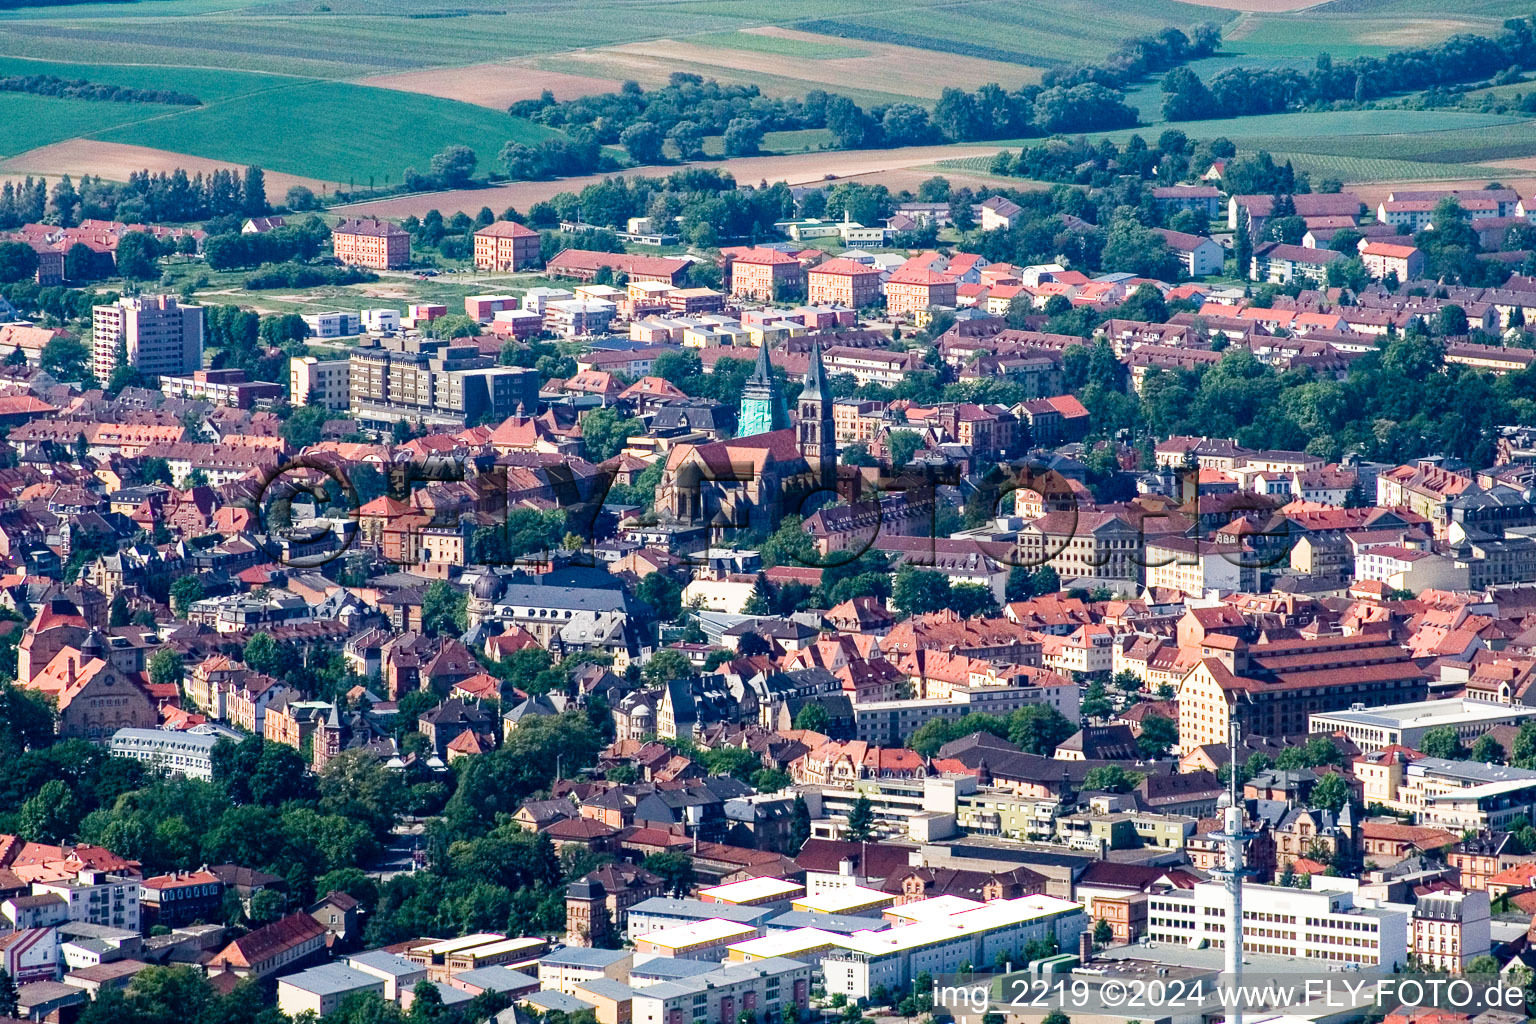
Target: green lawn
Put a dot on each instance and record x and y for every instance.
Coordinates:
(805, 49)
(333, 131)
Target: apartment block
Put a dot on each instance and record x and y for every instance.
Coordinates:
(843, 282)
(761, 274)
(314, 381)
(759, 990)
(506, 245)
(97, 897)
(366, 242)
(437, 382)
(222, 387)
(155, 333)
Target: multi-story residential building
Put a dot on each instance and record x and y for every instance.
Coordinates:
(843, 282)
(764, 274)
(1102, 547)
(1276, 686)
(506, 245)
(96, 897)
(576, 318)
(1383, 258)
(154, 333)
(325, 382)
(1198, 254)
(1465, 795)
(1409, 569)
(439, 382)
(1278, 263)
(335, 323)
(367, 242)
(283, 945)
(180, 898)
(222, 387)
(1316, 924)
(585, 264)
(173, 751)
(910, 291)
(872, 365)
(1449, 929)
(761, 989)
(1201, 198)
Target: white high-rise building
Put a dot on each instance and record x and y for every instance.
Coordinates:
(158, 335)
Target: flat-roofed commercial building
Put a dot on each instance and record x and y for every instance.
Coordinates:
(701, 940)
(1313, 924)
(1405, 725)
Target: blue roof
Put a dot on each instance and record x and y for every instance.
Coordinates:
(698, 910)
(580, 956)
(607, 988)
(387, 963)
(497, 979)
(332, 979)
(668, 968)
(842, 924)
(451, 996)
(552, 1000)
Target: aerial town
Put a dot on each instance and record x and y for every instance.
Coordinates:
(680, 600)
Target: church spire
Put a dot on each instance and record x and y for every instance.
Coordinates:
(816, 376)
(816, 435)
(762, 402)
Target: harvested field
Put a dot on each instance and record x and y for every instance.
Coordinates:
(1375, 191)
(115, 161)
(797, 169)
(898, 69)
(495, 85)
(1259, 6)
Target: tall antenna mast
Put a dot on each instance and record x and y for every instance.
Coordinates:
(1235, 837)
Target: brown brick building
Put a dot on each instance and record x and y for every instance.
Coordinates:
(506, 245)
(372, 243)
(912, 290)
(843, 282)
(760, 273)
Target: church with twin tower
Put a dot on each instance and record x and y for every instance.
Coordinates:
(753, 480)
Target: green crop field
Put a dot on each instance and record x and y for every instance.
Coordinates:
(33, 121)
(331, 131)
(803, 49)
(1027, 32)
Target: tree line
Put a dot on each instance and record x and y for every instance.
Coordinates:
(1242, 91)
(145, 198)
(81, 89)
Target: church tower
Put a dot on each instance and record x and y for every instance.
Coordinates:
(762, 403)
(816, 437)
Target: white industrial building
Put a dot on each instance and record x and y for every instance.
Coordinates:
(942, 943)
(1322, 924)
(1377, 728)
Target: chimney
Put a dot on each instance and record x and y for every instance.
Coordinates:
(1085, 947)
(71, 672)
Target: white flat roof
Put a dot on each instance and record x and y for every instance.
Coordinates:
(749, 889)
(834, 901)
(445, 946)
(504, 946)
(1427, 714)
(791, 943)
(933, 907)
(697, 933)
